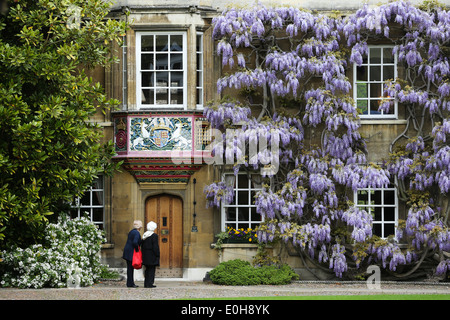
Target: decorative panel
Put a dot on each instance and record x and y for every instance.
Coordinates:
(160, 133)
(160, 147)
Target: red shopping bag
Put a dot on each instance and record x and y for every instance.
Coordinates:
(137, 259)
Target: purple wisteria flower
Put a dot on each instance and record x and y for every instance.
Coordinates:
(286, 56)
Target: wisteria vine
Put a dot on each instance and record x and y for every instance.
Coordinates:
(289, 69)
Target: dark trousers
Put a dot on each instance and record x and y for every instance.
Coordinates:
(130, 274)
(149, 275)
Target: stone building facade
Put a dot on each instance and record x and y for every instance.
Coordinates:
(167, 73)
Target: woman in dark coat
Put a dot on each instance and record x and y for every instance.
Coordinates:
(133, 242)
(150, 254)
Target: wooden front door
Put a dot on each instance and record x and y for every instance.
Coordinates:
(167, 212)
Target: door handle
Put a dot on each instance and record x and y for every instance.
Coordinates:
(164, 240)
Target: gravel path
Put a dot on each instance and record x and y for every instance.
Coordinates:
(166, 290)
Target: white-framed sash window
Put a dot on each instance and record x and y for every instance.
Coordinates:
(379, 65)
(199, 70)
(161, 70)
(382, 203)
(241, 213)
(91, 203)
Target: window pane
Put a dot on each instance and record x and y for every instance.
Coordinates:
(376, 90)
(176, 43)
(375, 73)
(176, 79)
(147, 79)
(162, 79)
(374, 106)
(199, 79)
(199, 96)
(86, 199)
(243, 214)
(242, 181)
(148, 96)
(361, 73)
(388, 72)
(363, 197)
(377, 229)
(362, 105)
(375, 55)
(255, 216)
(230, 214)
(388, 57)
(243, 197)
(377, 214)
(361, 90)
(199, 61)
(162, 43)
(389, 197)
(162, 61)
(176, 96)
(147, 43)
(389, 229)
(199, 44)
(389, 214)
(97, 198)
(162, 96)
(97, 214)
(376, 197)
(97, 183)
(244, 226)
(176, 61)
(147, 61)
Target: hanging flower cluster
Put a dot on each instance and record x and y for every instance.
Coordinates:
(289, 56)
(217, 193)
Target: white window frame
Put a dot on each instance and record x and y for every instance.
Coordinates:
(394, 115)
(370, 207)
(139, 71)
(78, 209)
(236, 224)
(199, 71)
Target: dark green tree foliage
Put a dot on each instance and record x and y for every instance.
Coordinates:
(49, 150)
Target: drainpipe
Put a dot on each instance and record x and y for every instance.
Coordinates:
(125, 11)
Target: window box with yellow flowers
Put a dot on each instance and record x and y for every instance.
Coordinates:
(237, 244)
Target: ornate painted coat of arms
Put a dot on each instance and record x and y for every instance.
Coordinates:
(161, 133)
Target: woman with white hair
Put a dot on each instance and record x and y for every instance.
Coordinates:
(133, 242)
(150, 254)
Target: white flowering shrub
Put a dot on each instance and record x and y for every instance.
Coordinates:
(70, 245)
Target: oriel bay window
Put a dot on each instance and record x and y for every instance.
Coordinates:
(161, 69)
